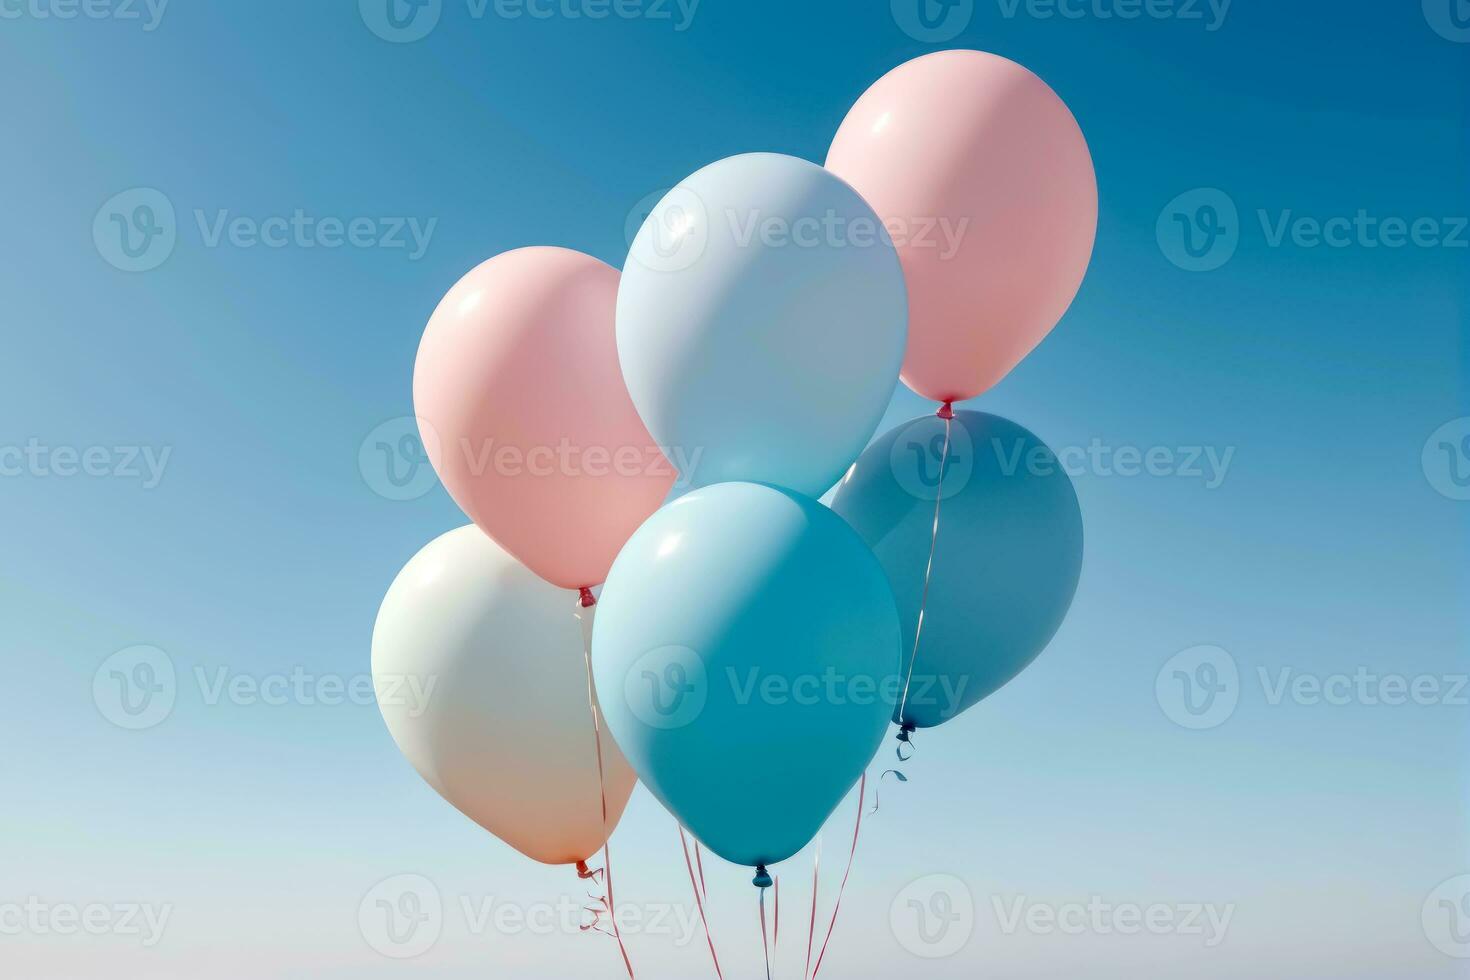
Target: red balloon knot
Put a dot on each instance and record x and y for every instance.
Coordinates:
(946, 411)
(588, 599)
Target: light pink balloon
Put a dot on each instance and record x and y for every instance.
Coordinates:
(526, 418)
(983, 177)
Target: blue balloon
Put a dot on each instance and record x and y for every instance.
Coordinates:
(1007, 560)
(746, 651)
(761, 323)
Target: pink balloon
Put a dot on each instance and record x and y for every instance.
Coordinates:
(983, 178)
(525, 416)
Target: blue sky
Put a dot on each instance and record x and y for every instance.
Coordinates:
(219, 401)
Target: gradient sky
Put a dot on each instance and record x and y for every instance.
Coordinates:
(1333, 543)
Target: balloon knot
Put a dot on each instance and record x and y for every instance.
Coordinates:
(582, 870)
(946, 411)
(762, 877)
(588, 599)
(904, 731)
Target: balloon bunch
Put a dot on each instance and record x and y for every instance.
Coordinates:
(751, 646)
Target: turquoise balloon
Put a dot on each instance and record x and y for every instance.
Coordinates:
(1006, 564)
(746, 652)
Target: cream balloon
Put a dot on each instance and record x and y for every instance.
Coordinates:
(481, 677)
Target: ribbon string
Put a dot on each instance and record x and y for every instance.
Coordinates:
(862, 790)
(811, 929)
(948, 416)
(765, 947)
(699, 895)
(585, 601)
(879, 788)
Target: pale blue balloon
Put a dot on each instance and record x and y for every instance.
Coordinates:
(746, 652)
(761, 323)
(1006, 564)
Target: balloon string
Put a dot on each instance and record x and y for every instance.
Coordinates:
(948, 415)
(585, 601)
(811, 929)
(764, 945)
(776, 937)
(699, 863)
(862, 790)
(879, 788)
(699, 896)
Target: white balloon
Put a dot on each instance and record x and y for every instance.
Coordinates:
(761, 323)
(480, 672)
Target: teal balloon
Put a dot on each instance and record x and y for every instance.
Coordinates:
(1007, 558)
(746, 654)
